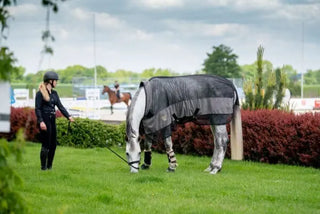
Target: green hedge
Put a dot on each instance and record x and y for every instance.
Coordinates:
(85, 133)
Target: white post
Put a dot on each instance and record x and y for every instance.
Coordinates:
(236, 135)
(302, 60)
(5, 109)
(94, 51)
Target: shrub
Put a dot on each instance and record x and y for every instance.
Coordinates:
(281, 137)
(24, 118)
(85, 133)
(270, 136)
(10, 200)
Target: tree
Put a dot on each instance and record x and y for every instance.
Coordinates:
(312, 77)
(7, 59)
(264, 94)
(18, 76)
(248, 72)
(222, 62)
(47, 36)
(152, 72)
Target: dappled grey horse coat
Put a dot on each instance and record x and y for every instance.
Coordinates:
(204, 99)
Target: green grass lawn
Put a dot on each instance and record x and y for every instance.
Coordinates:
(96, 181)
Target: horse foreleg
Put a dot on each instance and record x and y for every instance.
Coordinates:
(147, 153)
(171, 156)
(220, 146)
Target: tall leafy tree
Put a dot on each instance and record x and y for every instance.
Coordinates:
(222, 62)
(264, 94)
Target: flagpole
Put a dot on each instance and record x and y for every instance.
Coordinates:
(302, 59)
(94, 51)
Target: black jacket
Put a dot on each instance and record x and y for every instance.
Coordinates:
(43, 107)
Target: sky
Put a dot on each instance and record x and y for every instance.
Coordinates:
(169, 34)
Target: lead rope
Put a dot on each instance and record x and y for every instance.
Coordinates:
(114, 152)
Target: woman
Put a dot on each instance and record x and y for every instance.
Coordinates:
(46, 100)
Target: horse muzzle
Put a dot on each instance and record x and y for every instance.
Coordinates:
(134, 166)
(133, 170)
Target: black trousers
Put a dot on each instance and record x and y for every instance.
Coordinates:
(48, 138)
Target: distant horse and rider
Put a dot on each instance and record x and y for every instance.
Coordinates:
(115, 96)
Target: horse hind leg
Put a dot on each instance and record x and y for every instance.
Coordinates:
(220, 147)
(171, 155)
(147, 153)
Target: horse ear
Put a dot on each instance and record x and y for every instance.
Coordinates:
(104, 85)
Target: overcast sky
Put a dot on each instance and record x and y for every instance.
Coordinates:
(174, 34)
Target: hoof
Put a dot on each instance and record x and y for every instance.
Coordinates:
(132, 170)
(215, 170)
(171, 169)
(209, 169)
(145, 166)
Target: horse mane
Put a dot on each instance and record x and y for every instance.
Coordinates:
(129, 130)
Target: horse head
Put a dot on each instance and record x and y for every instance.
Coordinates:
(105, 89)
(134, 116)
(133, 153)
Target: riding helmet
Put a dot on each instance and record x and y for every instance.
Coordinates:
(50, 75)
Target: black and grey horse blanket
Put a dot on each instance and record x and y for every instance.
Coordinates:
(204, 99)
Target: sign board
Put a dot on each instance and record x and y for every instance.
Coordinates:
(5, 107)
(317, 104)
(92, 107)
(21, 93)
(92, 94)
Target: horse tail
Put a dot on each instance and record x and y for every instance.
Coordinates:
(236, 134)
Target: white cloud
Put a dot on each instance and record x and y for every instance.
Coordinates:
(160, 4)
(80, 14)
(246, 5)
(141, 35)
(25, 10)
(63, 33)
(105, 20)
(188, 28)
(298, 12)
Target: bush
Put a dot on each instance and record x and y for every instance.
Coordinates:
(10, 200)
(270, 136)
(281, 137)
(23, 118)
(85, 133)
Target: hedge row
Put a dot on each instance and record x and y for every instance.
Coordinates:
(281, 137)
(86, 133)
(23, 118)
(83, 133)
(269, 136)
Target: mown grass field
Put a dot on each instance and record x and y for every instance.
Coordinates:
(96, 181)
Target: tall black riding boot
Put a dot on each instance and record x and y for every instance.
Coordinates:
(43, 158)
(50, 158)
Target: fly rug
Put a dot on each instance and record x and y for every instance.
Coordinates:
(162, 102)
